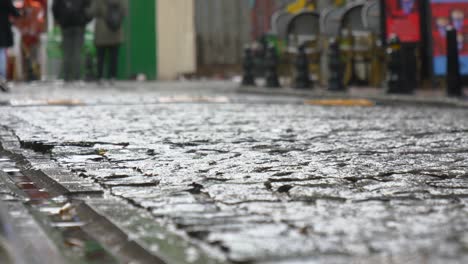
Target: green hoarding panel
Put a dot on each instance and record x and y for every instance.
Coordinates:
(138, 53)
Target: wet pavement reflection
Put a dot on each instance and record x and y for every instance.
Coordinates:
(252, 181)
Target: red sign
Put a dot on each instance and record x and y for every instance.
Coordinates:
(403, 19)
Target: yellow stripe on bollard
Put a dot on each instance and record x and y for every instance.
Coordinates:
(341, 102)
(300, 5)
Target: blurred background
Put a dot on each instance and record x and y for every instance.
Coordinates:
(180, 39)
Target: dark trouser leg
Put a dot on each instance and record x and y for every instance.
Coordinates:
(3, 63)
(101, 54)
(113, 60)
(73, 39)
(31, 66)
(77, 62)
(67, 49)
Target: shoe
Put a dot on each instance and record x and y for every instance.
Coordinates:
(81, 84)
(68, 84)
(4, 87)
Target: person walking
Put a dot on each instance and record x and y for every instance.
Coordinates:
(72, 17)
(6, 38)
(31, 25)
(108, 34)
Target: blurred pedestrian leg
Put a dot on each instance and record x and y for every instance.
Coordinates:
(3, 64)
(72, 17)
(3, 67)
(30, 61)
(6, 38)
(112, 52)
(72, 43)
(31, 25)
(108, 34)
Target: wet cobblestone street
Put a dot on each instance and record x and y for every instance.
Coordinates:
(262, 180)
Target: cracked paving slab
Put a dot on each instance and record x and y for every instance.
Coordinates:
(273, 183)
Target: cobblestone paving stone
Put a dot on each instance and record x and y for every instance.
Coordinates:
(276, 183)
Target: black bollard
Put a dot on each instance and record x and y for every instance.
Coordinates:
(335, 67)
(248, 79)
(394, 80)
(259, 54)
(454, 84)
(302, 69)
(409, 69)
(271, 63)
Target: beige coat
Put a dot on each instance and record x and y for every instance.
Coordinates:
(103, 36)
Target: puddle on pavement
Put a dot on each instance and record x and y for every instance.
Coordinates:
(10, 170)
(67, 224)
(58, 217)
(50, 210)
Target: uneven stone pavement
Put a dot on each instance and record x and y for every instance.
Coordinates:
(273, 182)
